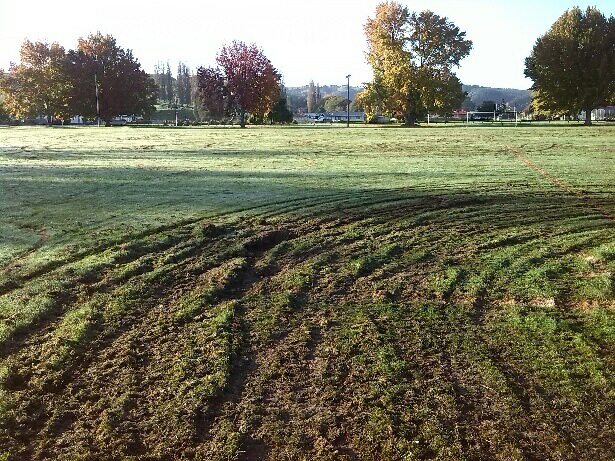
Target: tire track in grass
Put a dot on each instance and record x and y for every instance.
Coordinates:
(42, 238)
(557, 182)
(106, 345)
(116, 260)
(281, 330)
(183, 246)
(76, 288)
(271, 399)
(17, 280)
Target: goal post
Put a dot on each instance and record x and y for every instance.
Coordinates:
(508, 117)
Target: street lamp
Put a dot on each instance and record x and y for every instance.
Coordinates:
(96, 88)
(175, 106)
(348, 103)
(97, 103)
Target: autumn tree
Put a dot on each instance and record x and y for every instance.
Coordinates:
(211, 94)
(3, 113)
(123, 87)
(39, 84)
(244, 82)
(412, 57)
(573, 64)
(538, 109)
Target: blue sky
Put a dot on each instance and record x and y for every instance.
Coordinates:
(321, 40)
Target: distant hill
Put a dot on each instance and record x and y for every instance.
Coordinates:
(325, 90)
(516, 98)
(477, 94)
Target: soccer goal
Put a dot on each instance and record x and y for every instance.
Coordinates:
(508, 117)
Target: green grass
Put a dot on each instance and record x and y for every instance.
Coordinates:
(283, 293)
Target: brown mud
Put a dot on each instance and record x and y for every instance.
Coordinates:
(367, 334)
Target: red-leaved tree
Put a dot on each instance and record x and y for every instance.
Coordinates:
(123, 87)
(245, 81)
(212, 91)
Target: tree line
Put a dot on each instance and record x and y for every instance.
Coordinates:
(171, 89)
(412, 54)
(96, 79)
(100, 79)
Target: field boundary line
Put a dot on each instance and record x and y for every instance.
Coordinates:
(556, 181)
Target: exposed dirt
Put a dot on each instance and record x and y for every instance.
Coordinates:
(358, 335)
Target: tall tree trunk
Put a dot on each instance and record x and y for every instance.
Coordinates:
(588, 116)
(242, 119)
(409, 119)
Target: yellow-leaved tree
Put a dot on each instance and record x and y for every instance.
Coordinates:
(412, 56)
(38, 84)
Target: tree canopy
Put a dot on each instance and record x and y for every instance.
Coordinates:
(335, 103)
(123, 87)
(412, 57)
(279, 112)
(244, 82)
(487, 106)
(39, 84)
(61, 84)
(573, 64)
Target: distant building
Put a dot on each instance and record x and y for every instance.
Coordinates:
(330, 117)
(342, 116)
(600, 114)
(459, 114)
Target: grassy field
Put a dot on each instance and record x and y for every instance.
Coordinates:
(307, 293)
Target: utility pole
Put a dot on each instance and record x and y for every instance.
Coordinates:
(348, 103)
(176, 101)
(97, 103)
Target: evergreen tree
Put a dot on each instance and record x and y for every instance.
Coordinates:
(187, 83)
(311, 97)
(170, 93)
(320, 103)
(279, 112)
(183, 84)
(160, 79)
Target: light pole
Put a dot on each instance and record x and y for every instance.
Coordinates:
(175, 105)
(97, 103)
(348, 102)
